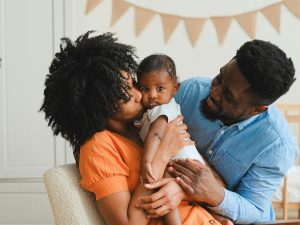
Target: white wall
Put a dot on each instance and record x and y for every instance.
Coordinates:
(207, 56)
(29, 36)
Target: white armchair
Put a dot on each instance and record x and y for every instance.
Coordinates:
(71, 204)
(288, 197)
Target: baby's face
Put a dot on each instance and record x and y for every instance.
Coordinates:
(157, 87)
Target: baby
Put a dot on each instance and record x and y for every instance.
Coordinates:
(158, 84)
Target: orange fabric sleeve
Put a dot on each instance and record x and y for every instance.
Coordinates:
(103, 172)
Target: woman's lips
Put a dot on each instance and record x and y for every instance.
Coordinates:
(211, 104)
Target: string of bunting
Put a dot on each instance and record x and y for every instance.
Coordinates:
(194, 25)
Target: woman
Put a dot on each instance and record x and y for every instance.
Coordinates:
(92, 101)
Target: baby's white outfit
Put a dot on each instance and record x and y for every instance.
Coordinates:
(171, 110)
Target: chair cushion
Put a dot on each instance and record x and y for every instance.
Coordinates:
(70, 203)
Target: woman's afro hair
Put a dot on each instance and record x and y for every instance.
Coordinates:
(267, 69)
(84, 85)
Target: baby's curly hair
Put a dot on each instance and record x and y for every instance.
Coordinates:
(267, 69)
(84, 85)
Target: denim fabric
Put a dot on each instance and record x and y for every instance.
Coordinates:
(252, 156)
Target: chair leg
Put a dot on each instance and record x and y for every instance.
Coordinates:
(285, 198)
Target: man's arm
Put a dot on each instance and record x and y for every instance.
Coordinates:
(216, 175)
(251, 198)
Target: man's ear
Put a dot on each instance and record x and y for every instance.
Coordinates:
(259, 109)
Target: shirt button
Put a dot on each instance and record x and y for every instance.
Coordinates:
(211, 221)
(222, 131)
(210, 152)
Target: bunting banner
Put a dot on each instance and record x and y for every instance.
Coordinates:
(119, 8)
(142, 19)
(90, 5)
(273, 15)
(222, 26)
(194, 25)
(248, 23)
(169, 23)
(194, 28)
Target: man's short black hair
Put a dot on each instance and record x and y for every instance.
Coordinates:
(267, 69)
(84, 85)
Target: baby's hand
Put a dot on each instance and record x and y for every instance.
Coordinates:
(146, 175)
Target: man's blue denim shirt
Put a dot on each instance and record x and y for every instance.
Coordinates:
(252, 156)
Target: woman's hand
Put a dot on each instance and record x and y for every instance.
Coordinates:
(146, 175)
(166, 199)
(197, 181)
(175, 137)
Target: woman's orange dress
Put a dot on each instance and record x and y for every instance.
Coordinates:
(109, 163)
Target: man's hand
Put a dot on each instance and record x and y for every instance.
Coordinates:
(175, 137)
(166, 199)
(197, 180)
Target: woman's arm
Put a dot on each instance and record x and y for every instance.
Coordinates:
(119, 208)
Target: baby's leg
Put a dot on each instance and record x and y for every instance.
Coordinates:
(173, 217)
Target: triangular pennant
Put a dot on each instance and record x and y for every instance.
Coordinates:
(272, 14)
(248, 23)
(194, 27)
(293, 6)
(142, 19)
(222, 26)
(90, 5)
(119, 7)
(170, 23)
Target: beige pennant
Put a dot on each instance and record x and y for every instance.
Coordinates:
(273, 14)
(222, 26)
(90, 5)
(169, 23)
(248, 23)
(119, 7)
(293, 6)
(142, 19)
(194, 27)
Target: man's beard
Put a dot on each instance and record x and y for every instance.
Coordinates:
(212, 116)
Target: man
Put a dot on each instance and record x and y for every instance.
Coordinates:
(240, 133)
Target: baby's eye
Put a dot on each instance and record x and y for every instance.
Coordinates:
(160, 88)
(143, 89)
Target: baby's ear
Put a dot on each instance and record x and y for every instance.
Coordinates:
(176, 87)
